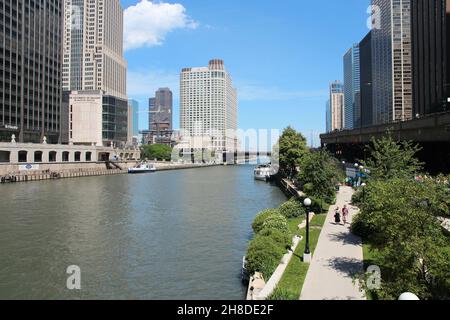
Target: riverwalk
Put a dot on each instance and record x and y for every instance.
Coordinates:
(337, 258)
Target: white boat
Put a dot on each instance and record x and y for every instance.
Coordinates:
(142, 168)
(263, 172)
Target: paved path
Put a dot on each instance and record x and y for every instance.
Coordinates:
(337, 258)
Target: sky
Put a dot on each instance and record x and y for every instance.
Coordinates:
(281, 54)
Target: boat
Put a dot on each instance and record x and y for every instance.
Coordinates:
(263, 172)
(142, 168)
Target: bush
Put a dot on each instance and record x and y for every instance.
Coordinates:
(360, 228)
(292, 209)
(319, 206)
(263, 255)
(276, 222)
(261, 218)
(282, 294)
(281, 239)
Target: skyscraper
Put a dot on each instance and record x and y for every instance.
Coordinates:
(209, 107)
(161, 110)
(93, 47)
(30, 70)
(328, 116)
(366, 97)
(430, 58)
(135, 117)
(352, 113)
(337, 106)
(392, 61)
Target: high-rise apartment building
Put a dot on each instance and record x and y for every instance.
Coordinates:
(336, 106)
(93, 47)
(366, 96)
(161, 110)
(392, 62)
(352, 113)
(209, 107)
(328, 116)
(430, 57)
(30, 70)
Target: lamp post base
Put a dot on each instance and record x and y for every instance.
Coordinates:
(307, 257)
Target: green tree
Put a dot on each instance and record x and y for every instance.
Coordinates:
(319, 174)
(391, 159)
(398, 219)
(258, 222)
(291, 148)
(157, 151)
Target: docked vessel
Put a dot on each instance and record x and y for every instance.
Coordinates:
(263, 172)
(142, 168)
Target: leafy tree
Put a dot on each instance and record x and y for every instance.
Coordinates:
(292, 209)
(398, 219)
(157, 151)
(264, 255)
(291, 148)
(276, 222)
(319, 175)
(261, 218)
(391, 159)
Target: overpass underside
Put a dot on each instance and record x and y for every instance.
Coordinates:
(432, 133)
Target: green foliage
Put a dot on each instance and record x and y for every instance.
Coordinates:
(291, 148)
(282, 294)
(292, 209)
(319, 175)
(264, 255)
(398, 218)
(282, 239)
(157, 151)
(261, 218)
(276, 222)
(391, 159)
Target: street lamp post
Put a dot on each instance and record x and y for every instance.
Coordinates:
(307, 254)
(363, 185)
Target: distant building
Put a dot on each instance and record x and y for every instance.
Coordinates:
(93, 47)
(30, 66)
(337, 106)
(328, 116)
(135, 117)
(430, 56)
(97, 118)
(161, 110)
(352, 114)
(208, 103)
(366, 80)
(392, 62)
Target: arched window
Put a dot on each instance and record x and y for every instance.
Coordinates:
(23, 156)
(5, 156)
(65, 156)
(38, 156)
(52, 156)
(88, 156)
(77, 156)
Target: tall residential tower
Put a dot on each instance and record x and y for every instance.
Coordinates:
(209, 107)
(352, 113)
(336, 105)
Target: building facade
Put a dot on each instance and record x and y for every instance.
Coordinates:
(366, 97)
(161, 110)
(430, 59)
(208, 103)
(337, 106)
(93, 47)
(30, 70)
(97, 119)
(392, 62)
(352, 114)
(328, 116)
(135, 117)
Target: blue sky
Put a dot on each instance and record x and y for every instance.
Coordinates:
(281, 54)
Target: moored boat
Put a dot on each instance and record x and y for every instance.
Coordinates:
(142, 168)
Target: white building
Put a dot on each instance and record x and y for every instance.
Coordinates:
(93, 47)
(336, 105)
(208, 103)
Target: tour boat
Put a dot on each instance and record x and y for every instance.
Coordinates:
(263, 172)
(142, 168)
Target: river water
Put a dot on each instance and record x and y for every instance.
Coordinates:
(168, 235)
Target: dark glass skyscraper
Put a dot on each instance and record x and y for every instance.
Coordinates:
(160, 110)
(365, 54)
(30, 70)
(430, 57)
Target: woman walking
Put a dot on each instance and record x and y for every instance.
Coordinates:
(345, 214)
(337, 216)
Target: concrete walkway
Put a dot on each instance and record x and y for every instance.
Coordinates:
(337, 258)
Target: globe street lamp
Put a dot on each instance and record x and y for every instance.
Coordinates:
(307, 254)
(363, 185)
(408, 296)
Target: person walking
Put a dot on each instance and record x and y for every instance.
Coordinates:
(337, 216)
(345, 214)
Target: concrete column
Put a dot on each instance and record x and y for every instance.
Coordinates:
(30, 155)
(71, 156)
(59, 156)
(45, 156)
(14, 156)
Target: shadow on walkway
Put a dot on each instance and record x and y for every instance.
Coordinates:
(346, 266)
(345, 237)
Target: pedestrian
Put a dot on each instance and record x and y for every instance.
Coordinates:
(337, 216)
(345, 214)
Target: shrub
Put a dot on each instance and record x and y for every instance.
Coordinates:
(281, 239)
(282, 294)
(291, 209)
(276, 222)
(263, 255)
(261, 218)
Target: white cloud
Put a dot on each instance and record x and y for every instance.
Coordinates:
(147, 23)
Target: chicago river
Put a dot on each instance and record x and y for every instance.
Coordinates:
(169, 235)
